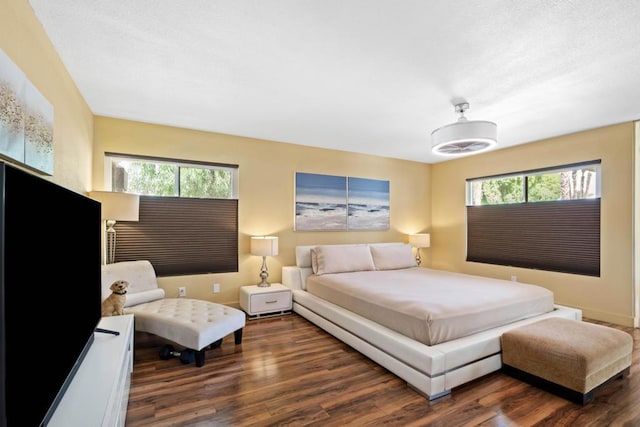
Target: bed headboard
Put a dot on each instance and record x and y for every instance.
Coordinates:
(295, 277)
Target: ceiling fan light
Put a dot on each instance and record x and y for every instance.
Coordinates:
(464, 137)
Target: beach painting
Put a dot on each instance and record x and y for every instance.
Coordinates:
(321, 202)
(367, 204)
(338, 203)
(26, 120)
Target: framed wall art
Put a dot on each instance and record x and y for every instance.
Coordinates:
(339, 203)
(26, 120)
(321, 202)
(368, 204)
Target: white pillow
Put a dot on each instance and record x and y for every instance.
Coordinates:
(303, 255)
(143, 296)
(313, 255)
(393, 257)
(342, 259)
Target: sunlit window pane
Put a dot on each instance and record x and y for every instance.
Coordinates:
(210, 183)
(497, 191)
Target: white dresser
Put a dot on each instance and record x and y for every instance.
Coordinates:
(99, 392)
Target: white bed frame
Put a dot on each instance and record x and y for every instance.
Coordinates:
(431, 370)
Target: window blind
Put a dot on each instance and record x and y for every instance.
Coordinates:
(181, 236)
(562, 236)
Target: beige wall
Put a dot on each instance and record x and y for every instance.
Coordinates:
(23, 39)
(607, 298)
(266, 205)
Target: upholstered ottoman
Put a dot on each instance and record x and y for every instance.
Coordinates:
(192, 323)
(567, 357)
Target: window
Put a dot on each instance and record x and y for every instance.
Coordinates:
(579, 181)
(166, 177)
(546, 219)
(188, 219)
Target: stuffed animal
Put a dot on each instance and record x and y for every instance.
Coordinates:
(114, 304)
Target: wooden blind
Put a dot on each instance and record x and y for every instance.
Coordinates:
(182, 236)
(562, 236)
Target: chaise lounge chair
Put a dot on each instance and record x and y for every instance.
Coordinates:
(192, 323)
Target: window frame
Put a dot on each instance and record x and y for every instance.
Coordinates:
(597, 164)
(233, 169)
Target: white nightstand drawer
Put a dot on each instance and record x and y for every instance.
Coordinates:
(265, 301)
(273, 301)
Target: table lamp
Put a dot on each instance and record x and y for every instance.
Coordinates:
(116, 206)
(264, 246)
(418, 241)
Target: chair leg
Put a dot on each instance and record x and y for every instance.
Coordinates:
(238, 336)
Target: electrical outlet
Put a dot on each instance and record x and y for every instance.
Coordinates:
(182, 291)
(216, 288)
(514, 278)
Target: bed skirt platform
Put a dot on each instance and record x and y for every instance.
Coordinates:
(432, 371)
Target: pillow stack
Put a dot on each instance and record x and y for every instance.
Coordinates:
(327, 259)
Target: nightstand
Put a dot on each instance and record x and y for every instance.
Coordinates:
(267, 301)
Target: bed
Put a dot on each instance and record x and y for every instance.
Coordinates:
(434, 329)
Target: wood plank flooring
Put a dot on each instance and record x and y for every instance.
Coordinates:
(288, 372)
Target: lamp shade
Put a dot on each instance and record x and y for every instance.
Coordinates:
(420, 240)
(117, 206)
(264, 245)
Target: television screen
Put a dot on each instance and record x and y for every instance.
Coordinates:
(50, 295)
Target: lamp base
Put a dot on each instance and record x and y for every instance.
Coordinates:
(264, 273)
(111, 242)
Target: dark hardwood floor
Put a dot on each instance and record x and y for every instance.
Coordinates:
(288, 372)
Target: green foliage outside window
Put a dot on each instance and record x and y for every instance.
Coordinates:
(210, 183)
(498, 191)
(151, 179)
(543, 187)
(565, 185)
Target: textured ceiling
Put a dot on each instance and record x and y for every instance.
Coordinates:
(369, 76)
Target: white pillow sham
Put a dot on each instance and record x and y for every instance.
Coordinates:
(392, 256)
(341, 259)
(303, 255)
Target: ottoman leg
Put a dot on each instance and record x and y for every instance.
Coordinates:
(238, 336)
(200, 358)
(624, 374)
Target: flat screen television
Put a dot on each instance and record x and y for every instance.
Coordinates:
(50, 297)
